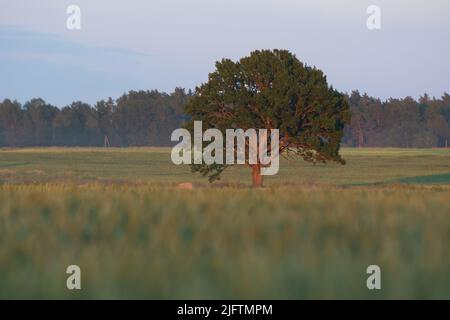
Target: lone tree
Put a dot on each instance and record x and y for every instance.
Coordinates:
(272, 90)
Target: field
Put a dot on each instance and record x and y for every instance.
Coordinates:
(310, 233)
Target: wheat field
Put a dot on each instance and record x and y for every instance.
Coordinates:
(309, 234)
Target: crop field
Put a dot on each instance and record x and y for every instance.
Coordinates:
(309, 234)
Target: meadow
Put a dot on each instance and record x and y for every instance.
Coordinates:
(310, 233)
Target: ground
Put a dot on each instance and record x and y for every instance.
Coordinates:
(311, 233)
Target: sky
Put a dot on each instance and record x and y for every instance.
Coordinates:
(162, 44)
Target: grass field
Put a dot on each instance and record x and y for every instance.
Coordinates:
(311, 233)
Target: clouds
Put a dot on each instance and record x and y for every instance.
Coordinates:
(161, 44)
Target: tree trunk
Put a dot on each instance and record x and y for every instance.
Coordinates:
(446, 143)
(360, 139)
(106, 142)
(257, 177)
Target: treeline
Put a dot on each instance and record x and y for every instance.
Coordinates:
(138, 118)
(147, 118)
(404, 123)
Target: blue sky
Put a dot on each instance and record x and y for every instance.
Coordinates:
(161, 44)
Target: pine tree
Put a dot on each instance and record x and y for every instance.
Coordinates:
(272, 89)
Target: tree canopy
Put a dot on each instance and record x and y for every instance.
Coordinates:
(272, 89)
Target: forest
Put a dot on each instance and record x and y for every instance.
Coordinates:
(147, 118)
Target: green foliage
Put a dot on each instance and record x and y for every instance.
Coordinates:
(138, 118)
(273, 90)
(146, 118)
(405, 123)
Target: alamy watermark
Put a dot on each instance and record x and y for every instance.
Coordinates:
(373, 21)
(73, 21)
(374, 280)
(237, 142)
(73, 281)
